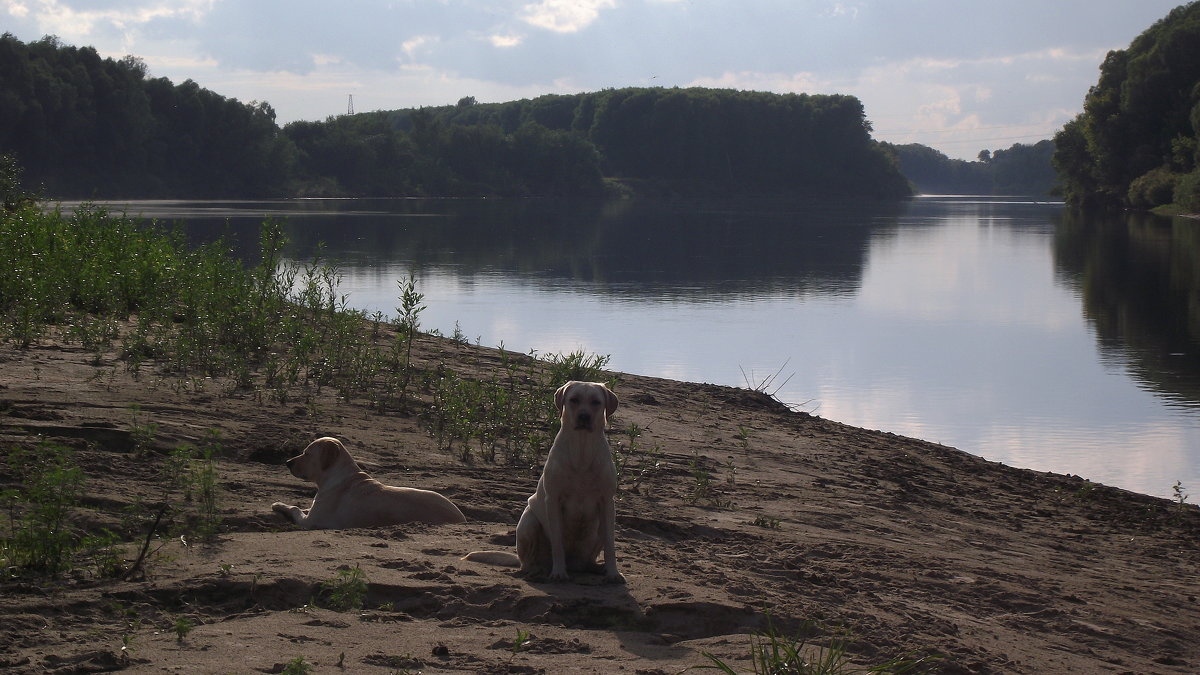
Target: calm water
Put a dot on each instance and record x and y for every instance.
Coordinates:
(1008, 328)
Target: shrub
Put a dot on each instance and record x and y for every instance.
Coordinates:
(1153, 188)
(1187, 192)
(40, 536)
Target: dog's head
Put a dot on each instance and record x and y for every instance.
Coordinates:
(585, 406)
(317, 459)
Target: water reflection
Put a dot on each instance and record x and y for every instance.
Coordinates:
(629, 248)
(1139, 277)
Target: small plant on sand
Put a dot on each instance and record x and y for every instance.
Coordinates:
(768, 385)
(182, 627)
(767, 522)
(127, 643)
(408, 320)
(191, 473)
(774, 654)
(39, 536)
(521, 641)
(347, 590)
(297, 666)
(141, 431)
(702, 488)
(578, 365)
(632, 462)
(1179, 508)
(743, 438)
(702, 485)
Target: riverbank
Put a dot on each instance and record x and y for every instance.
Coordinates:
(732, 507)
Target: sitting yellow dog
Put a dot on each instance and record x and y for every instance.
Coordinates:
(571, 518)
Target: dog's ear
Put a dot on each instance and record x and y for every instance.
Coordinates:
(330, 450)
(610, 401)
(560, 396)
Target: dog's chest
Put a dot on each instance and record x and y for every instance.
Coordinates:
(583, 473)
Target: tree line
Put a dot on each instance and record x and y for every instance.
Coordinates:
(1137, 141)
(82, 125)
(1019, 170)
(86, 126)
(702, 139)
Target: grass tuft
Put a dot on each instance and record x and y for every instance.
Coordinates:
(772, 653)
(346, 591)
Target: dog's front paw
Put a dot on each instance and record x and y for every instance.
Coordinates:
(280, 507)
(559, 576)
(614, 578)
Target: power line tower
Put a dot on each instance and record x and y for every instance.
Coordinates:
(350, 105)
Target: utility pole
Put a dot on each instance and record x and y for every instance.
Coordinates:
(350, 105)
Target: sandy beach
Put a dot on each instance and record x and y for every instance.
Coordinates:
(739, 509)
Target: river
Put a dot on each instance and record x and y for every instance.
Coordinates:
(1010, 328)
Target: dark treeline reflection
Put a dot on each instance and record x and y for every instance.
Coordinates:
(633, 247)
(1139, 277)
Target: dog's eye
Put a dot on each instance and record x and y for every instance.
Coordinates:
(574, 400)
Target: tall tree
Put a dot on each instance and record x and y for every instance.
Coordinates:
(1136, 141)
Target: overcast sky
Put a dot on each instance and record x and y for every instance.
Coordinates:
(958, 75)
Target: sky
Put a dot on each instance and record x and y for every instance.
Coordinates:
(957, 75)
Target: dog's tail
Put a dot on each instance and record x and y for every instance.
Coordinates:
(501, 558)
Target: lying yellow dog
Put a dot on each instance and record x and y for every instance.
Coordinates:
(348, 497)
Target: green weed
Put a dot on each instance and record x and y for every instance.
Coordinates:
(769, 385)
(407, 321)
(578, 365)
(1179, 507)
(743, 438)
(182, 627)
(767, 522)
(634, 464)
(346, 591)
(521, 641)
(774, 654)
(297, 666)
(40, 536)
(141, 431)
(703, 487)
(701, 480)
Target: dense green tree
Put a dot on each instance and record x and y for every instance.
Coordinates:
(697, 139)
(83, 125)
(1018, 170)
(1137, 136)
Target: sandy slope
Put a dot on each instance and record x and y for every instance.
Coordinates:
(900, 546)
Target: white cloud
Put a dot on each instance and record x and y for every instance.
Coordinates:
(780, 83)
(179, 63)
(413, 46)
(17, 9)
(565, 16)
(60, 18)
(504, 41)
(842, 9)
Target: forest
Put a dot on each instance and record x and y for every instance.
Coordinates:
(91, 127)
(1019, 170)
(1137, 141)
(84, 126)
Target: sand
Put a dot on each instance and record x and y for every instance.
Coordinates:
(888, 546)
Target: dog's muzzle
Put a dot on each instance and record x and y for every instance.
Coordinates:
(583, 421)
